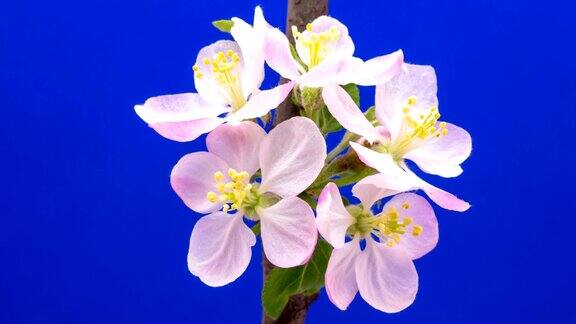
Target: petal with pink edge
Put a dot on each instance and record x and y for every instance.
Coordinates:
(375, 71)
(444, 199)
(288, 232)
(419, 210)
(325, 74)
(380, 161)
(238, 144)
(386, 277)
(278, 55)
(193, 177)
(180, 117)
(207, 85)
(340, 275)
(291, 157)
(444, 155)
(188, 130)
(347, 113)
(220, 248)
(262, 102)
(391, 97)
(375, 187)
(332, 218)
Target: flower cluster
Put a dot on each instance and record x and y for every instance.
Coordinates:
(275, 179)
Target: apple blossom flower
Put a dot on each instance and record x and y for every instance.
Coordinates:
(407, 111)
(221, 183)
(325, 60)
(227, 75)
(383, 272)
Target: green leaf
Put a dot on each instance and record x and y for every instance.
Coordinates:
(223, 25)
(327, 123)
(370, 114)
(282, 283)
(353, 92)
(256, 229)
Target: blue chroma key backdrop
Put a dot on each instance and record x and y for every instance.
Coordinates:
(91, 231)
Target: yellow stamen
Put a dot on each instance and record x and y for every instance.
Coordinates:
(316, 43)
(235, 194)
(223, 67)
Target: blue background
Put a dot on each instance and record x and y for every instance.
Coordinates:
(91, 232)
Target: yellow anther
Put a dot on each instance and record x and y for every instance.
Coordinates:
(223, 65)
(406, 110)
(317, 44)
(444, 131)
(212, 197)
(218, 176)
(199, 75)
(417, 230)
(407, 221)
(405, 205)
(411, 100)
(195, 68)
(232, 173)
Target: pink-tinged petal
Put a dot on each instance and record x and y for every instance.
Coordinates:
(238, 144)
(262, 102)
(278, 55)
(288, 232)
(325, 74)
(340, 275)
(207, 85)
(343, 108)
(443, 156)
(422, 215)
(332, 218)
(188, 130)
(375, 71)
(180, 117)
(343, 47)
(220, 248)
(375, 187)
(251, 41)
(386, 277)
(193, 177)
(445, 199)
(177, 108)
(391, 97)
(291, 157)
(382, 162)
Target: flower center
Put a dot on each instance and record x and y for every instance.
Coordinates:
(316, 44)
(237, 194)
(224, 71)
(415, 130)
(388, 225)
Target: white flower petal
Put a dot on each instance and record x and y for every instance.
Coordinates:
(220, 248)
(332, 217)
(340, 275)
(193, 177)
(288, 232)
(347, 113)
(238, 144)
(291, 157)
(386, 277)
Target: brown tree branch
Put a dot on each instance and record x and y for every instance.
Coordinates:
(300, 12)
